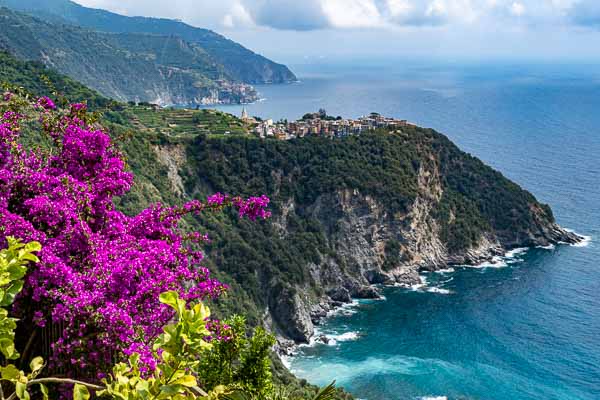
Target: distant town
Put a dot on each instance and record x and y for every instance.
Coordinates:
(319, 124)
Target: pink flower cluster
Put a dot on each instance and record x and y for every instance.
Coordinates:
(219, 331)
(101, 271)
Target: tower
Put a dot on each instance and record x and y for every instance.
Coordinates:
(244, 114)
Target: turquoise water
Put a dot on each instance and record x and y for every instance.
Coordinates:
(529, 329)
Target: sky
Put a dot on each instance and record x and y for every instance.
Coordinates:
(296, 31)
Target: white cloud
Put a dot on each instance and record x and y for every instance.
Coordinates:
(400, 7)
(304, 15)
(352, 13)
(237, 17)
(517, 9)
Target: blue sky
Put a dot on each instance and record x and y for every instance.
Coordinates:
(476, 30)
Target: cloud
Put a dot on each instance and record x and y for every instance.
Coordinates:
(416, 13)
(237, 17)
(517, 9)
(586, 13)
(289, 14)
(307, 15)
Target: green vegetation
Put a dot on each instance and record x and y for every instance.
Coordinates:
(240, 63)
(235, 365)
(36, 78)
(14, 262)
(182, 122)
(123, 66)
(259, 261)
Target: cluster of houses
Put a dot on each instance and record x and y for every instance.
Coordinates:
(320, 124)
(227, 92)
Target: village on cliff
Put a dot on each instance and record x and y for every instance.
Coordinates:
(319, 124)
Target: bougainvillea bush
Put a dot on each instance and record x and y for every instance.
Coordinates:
(100, 272)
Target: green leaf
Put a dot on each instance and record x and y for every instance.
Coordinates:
(32, 246)
(21, 390)
(7, 347)
(169, 298)
(11, 293)
(327, 393)
(36, 364)
(10, 373)
(44, 390)
(187, 381)
(80, 392)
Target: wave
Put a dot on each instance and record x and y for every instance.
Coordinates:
(495, 262)
(586, 240)
(344, 337)
(286, 361)
(331, 339)
(516, 252)
(445, 271)
(549, 247)
(510, 257)
(584, 243)
(424, 287)
(422, 284)
(438, 290)
(345, 309)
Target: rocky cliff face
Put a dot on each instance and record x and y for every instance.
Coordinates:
(362, 239)
(359, 229)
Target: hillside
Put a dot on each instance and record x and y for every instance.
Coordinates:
(347, 213)
(240, 63)
(126, 67)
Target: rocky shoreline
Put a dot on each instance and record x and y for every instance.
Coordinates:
(342, 296)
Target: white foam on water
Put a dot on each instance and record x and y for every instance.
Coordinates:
(345, 309)
(584, 243)
(286, 361)
(345, 337)
(312, 341)
(438, 290)
(495, 262)
(586, 240)
(445, 271)
(348, 371)
(549, 247)
(423, 286)
(418, 286)
(515, 252)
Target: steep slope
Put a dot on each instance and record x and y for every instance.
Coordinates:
(36, 78)
(347, 213)
(240, 63)
(126, 67)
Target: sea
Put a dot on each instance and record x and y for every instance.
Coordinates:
(523, 327)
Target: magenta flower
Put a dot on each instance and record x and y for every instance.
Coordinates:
(100, 271)
(46, 103)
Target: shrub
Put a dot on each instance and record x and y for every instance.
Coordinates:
(100, 272)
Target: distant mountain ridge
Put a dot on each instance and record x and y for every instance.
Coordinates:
(135, 58)
(242, 64)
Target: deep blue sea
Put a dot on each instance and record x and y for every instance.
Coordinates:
(527, 328)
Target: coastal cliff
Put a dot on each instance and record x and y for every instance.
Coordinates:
(350, 213)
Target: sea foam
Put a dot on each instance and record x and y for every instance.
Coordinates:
(586, 240)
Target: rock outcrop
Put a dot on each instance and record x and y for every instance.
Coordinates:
(332, 239)
(358, 228)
